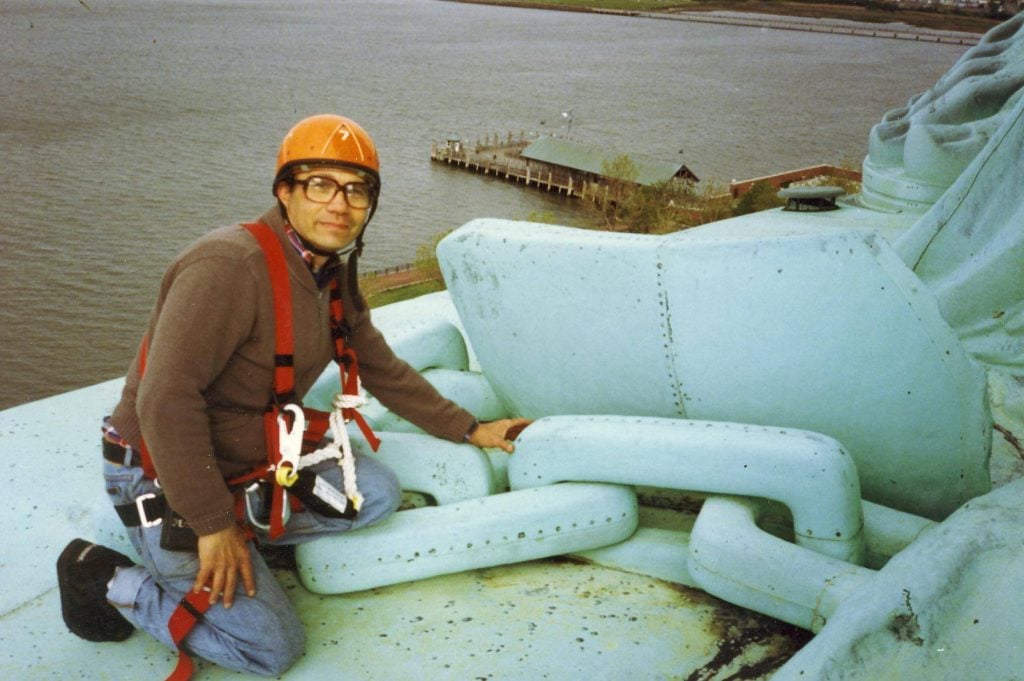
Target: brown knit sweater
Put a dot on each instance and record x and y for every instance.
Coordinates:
(209, 370)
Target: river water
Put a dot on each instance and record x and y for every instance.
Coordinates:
(129, 127)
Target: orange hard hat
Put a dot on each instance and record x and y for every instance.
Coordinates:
(327, 139)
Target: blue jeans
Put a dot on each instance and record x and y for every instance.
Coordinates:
(262, 634)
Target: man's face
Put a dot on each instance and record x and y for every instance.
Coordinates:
(330, 226)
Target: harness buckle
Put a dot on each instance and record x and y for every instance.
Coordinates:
(140, 505)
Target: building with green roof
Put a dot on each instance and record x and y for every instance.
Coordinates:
(593, 161)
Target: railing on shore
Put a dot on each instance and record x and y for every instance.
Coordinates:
(394, 277)
(782, 24)
(780, 180)
(385, 271)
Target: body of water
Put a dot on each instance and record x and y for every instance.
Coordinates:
(130, 127)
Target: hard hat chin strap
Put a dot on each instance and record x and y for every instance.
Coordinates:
(313, 248)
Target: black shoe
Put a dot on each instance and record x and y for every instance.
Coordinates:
(83, 571)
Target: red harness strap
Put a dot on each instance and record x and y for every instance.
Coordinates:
(284, 357)
(190, 610)
(281, 289)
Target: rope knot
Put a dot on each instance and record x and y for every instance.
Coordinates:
(341, 447)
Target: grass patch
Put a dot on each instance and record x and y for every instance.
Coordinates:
(396, 295)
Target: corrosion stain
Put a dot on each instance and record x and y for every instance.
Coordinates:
(1010, 438)
(904, 625)
(749, 645)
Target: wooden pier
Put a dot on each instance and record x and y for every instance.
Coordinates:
(501, 158)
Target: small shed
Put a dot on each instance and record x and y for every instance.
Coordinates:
(581, 158)
(454, 144)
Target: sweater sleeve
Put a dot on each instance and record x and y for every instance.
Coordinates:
(207, 311)
(403, 389)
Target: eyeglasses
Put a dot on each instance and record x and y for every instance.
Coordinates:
(319, 189)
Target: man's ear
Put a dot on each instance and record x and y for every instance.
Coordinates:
(283, 191)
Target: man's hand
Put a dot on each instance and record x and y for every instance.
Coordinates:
(497, 433)
(222, 557)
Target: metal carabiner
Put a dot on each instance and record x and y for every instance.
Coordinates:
(289, 446)
(258, 506)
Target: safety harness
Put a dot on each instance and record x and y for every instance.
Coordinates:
(292, 431)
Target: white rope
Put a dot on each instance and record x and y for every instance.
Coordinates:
(343, 451)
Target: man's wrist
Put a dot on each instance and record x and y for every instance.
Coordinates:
(472, 429)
